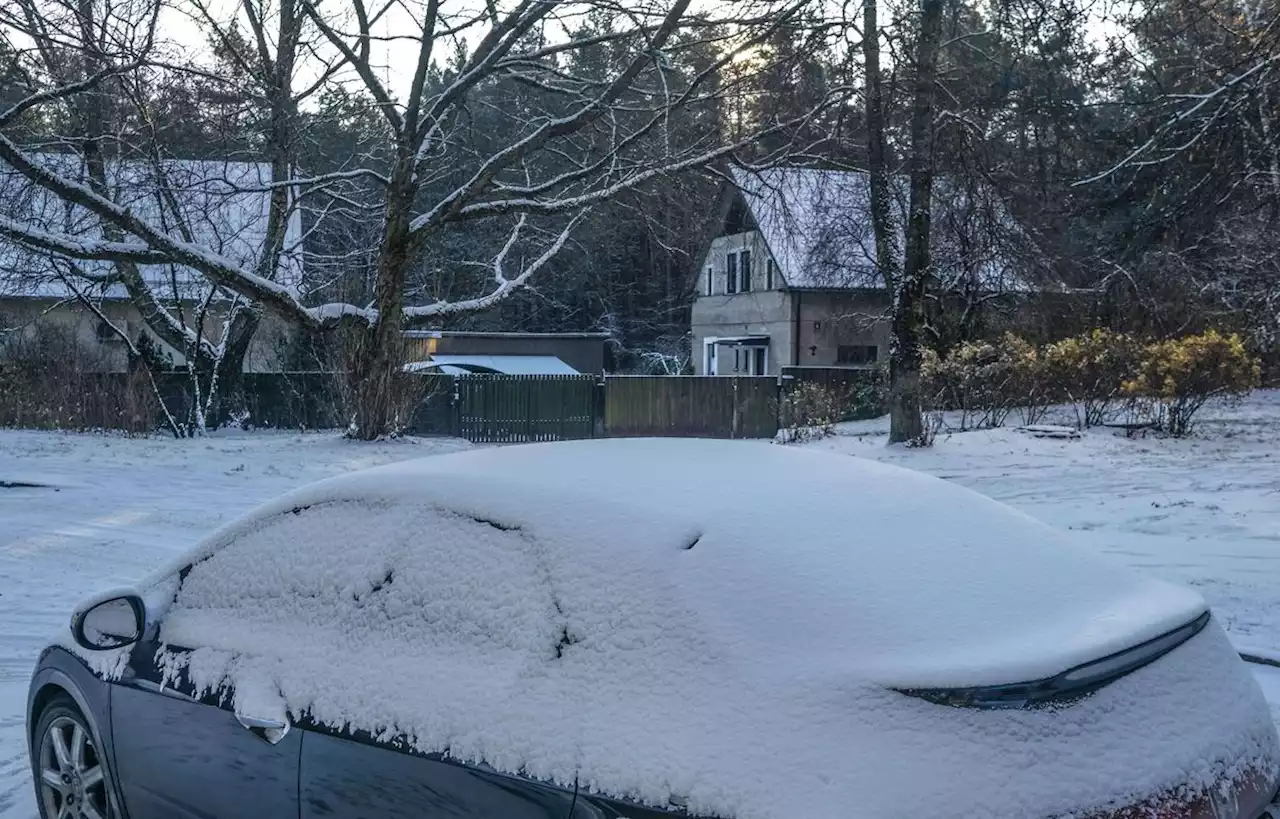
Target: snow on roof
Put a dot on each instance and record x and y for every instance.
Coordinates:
(817, 224)
(511, 364)
(650, 619)
(223, 203)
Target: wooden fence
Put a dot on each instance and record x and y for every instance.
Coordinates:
(521, 408)
(706, 407)
(480, 408)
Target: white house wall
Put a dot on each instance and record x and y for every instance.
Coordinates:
(267, 352)
(759, 312)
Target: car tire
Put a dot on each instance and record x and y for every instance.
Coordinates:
(72, 779)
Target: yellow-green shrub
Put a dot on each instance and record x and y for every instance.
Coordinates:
(1182, 374)
(809, 411)
(984, 381)
(1090, 370)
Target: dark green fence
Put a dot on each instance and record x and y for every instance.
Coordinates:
(523, 408)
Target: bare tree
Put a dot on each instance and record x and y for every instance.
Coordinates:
(90, 69)
(584, 139)
(882, 223)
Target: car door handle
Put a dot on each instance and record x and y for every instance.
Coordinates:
(163, 690)
(270, 731)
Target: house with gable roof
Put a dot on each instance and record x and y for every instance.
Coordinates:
(791, 280)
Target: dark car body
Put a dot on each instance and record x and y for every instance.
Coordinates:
(176, 756)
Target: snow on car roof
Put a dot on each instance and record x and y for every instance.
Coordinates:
(715, 624)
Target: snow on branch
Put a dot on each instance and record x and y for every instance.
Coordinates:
(159, 246)
(1222, 91)
(70, 89)
(78, 248)
(504, 283)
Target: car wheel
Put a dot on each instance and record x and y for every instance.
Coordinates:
(72, 780)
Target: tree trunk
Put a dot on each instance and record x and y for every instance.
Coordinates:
(227, 377)
(882, 223)
(376, 365)
(906, 421)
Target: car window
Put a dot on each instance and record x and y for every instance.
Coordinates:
(353, 571)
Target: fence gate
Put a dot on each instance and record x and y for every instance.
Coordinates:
(511, 409)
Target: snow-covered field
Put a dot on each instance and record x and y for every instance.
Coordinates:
(106, 510)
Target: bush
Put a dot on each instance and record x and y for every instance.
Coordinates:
(1090, 370)
(869, 396)
(809, 411)
(1029, 387)
(985, 381)
(49, 379)
(1183, 374)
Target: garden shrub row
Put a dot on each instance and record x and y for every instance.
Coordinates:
(1103, 374)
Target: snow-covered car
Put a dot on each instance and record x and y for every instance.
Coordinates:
(643, 629)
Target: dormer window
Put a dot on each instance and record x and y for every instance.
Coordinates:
(731, 273)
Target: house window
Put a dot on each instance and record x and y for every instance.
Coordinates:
(731, 274)
(768, 274)
(710, 281)
(857, 355)
(744, 271)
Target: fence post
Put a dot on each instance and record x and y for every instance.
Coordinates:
(598, 399)
(455, 408)
(737, 410)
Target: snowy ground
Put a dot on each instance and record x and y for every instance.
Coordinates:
(1205, 512)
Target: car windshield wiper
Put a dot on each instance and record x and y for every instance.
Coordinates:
(1069, 686)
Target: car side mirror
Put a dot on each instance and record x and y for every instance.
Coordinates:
(113, 623)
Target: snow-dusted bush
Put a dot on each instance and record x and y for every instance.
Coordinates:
(50, 380)
(1090, 371)
(984, 381)
(868, 398)
(1029, 385)
(395, 402)
(1183, 374)
(808, 411)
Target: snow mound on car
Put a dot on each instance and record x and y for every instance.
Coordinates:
(714, 625)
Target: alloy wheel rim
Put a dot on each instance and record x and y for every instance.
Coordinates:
(73, 783)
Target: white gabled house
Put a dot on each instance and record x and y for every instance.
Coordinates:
(790, 279)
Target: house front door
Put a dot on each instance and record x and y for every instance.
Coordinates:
(732, 357)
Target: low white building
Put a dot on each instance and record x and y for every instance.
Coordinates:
(221, 205)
